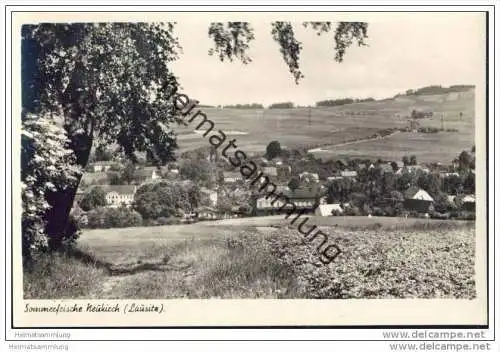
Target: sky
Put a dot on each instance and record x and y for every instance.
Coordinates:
(405, 51)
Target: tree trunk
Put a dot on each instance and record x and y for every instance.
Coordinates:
(58, 226)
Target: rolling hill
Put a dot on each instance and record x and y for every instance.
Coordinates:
(332, 129)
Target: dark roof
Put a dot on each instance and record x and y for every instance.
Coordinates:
(147, 171)
(302, 193)
(410, 192)
(348, 173)
(205, 208)
(207, 190)
(121, 189)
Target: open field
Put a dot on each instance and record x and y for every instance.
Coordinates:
(254, 129)
(428, 147)
(263, 258)
(362, 222)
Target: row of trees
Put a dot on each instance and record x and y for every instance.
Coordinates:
(438, 89)
(283, 105)
(105, 218)
(245, 106)
(344, 101)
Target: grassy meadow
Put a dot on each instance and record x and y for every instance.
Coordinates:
(331, 127)
(264, 258)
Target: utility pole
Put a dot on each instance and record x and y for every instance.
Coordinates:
(309, 109)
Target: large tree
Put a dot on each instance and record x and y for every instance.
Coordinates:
(111, 83)
(106, 80)
(93, 199)
(273, 150)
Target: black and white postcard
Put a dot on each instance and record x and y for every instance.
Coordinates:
(249, 169)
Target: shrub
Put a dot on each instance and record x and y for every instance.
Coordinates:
(162, 220)
(150, 222)
(466, 215)
(168, 221)
(47, 167)
(93, 199)
(336, 212)
(352, 210)
(378, 211)
(437, 215)
(113, 217)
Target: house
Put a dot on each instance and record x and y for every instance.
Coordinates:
(232, 177)
(282, 188)
(327, 209)
(172, 174)
(148, 173)
(309, 176)
(263, 161)
(401, 171)
(270, 171)
(275, 188)
(416, 168)
(348, 174)
(101, 166)
(417, 199)
(305, 199)
(278, 161)
(445, 174)
(119, 195)
(208, 196)
(206, 213)
(469, 202)
(284, 170)
(334, 178)
(451, 199)
(94, 178)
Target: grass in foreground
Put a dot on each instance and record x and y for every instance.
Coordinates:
(59, 276)
(393, 260)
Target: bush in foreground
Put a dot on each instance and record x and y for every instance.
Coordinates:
(113, 217)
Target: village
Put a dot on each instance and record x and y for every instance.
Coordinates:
(215, 190)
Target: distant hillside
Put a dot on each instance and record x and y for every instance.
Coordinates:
(437, 89)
